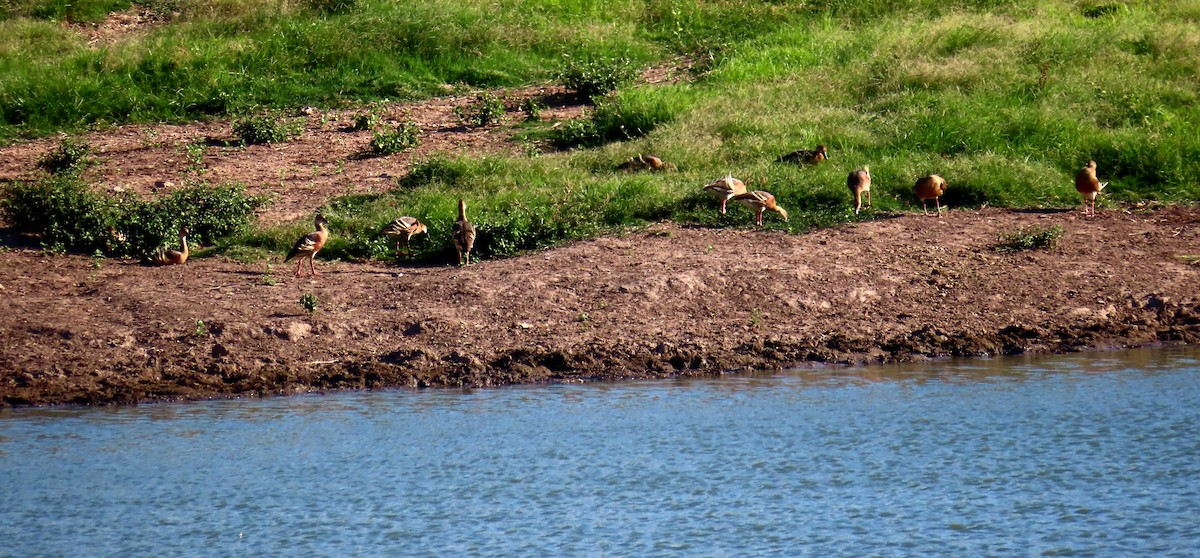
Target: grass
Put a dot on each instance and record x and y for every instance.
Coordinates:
(1005, 99)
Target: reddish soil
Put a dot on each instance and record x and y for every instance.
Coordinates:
(661, 302)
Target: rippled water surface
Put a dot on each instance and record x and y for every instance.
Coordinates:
(1083, 455)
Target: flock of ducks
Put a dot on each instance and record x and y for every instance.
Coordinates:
(727, 188)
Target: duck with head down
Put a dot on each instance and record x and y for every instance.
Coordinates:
(859, 183)
(406, 227)
(760, 201)
(725, 188)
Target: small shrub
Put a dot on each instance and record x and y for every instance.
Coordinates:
(597, 77)
(485, 110)
(64, 211)
(576, 133)
(71, 157)
(308, 301)
(400, 138)
(532, 110)
(267, 129)
(365, 121)
(1028, 238)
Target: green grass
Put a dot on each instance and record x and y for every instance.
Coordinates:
(1006, 99)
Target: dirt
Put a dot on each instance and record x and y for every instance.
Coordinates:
(666, 301)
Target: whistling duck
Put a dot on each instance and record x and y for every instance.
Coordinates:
(464, 234)
(859, 183)
(1088, 186)
(646, 162)
(930, 187)
(166, 256)
(805, 156)
(760, 201)
(726, 188)
(309, 245)
(407, 227)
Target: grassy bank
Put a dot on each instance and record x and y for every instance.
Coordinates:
(1004, 99)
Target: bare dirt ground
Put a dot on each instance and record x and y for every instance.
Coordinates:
(661, 302)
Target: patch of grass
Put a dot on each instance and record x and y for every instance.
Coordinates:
(1028, 238)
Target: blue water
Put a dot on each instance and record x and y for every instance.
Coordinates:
(1082, 455)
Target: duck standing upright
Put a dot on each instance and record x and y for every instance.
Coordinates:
(463, 234)
(1089, 186)
(725, 188)
(165, 256)
(760, 201)
(930, 188)
(859, 183)
(308, 245)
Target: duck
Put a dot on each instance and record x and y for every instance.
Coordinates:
(166, 256)
(760, 201)
(859, 183)
(805, 156)
(463, 234)
(407, 227)
(1089, 186)
(726, 188)
(930, 187)
(646, 162)
(308, 245)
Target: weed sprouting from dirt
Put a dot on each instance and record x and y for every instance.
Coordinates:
(1028, 238)
(308, 301)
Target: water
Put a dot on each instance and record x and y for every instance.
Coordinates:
(1083, 455)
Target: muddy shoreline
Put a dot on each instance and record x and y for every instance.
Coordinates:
(664, 302)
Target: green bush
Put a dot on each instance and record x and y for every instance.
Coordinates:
(71, 157)
(592, 78)
(485, 110)
(532, 109)
(401, 137)
(65, 212)
(69, 215)
(365, 121)
(267, 128)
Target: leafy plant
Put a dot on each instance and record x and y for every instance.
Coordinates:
(402, 137)
(365, 121)
(595, 77)
(267, 128)
(70, 157)
(309, 302)
(486, 109)
(532, 109)
(1028, 238)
